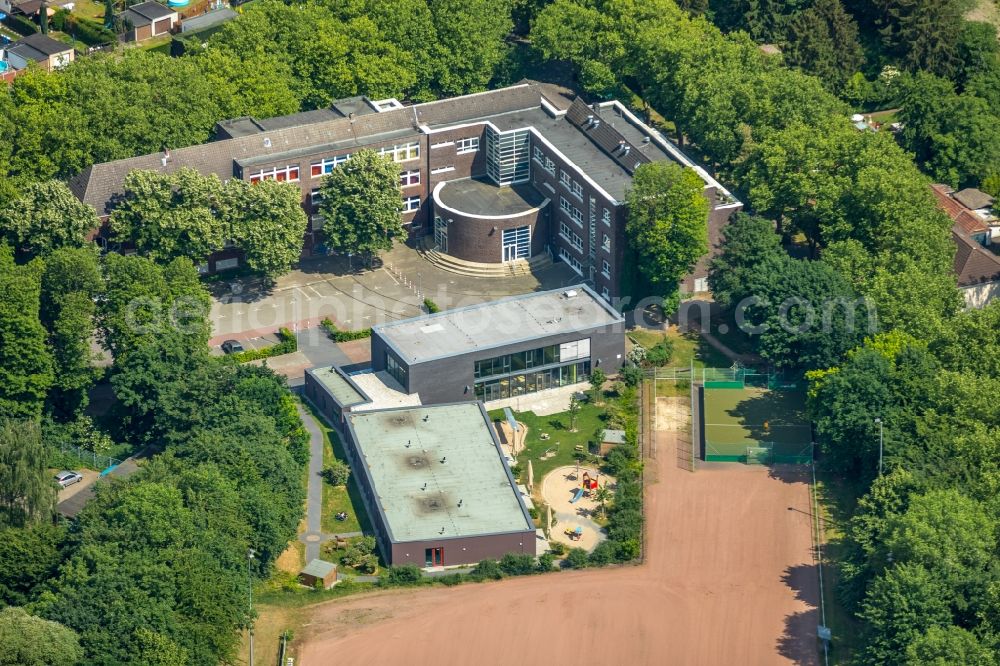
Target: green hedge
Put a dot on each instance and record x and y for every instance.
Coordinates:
(431, 306)
(338, 335)
(90, 32)
(288, 344)
(21, 25)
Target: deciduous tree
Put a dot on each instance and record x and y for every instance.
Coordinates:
(360, 205)
(27, 640)
(27, 491)
(266, 222)
(46, 216)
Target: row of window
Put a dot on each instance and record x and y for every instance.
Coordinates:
(571, 260)
(571, 184)
(285, 174)
(570, 237)
(469, 145)
(402, 152)
(571, 210)
(532, 358)
(327, 165)
(531, 382)
(409, 204)
(397, 371)
(409, 178)
(544, 161)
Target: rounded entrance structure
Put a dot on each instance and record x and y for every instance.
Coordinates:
(477, 221)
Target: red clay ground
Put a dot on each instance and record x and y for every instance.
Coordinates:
(729, 579)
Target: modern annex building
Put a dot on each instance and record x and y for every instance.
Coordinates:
(436, 486)
(501, 176)
(504, 348)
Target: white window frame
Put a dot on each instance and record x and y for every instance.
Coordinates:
(326, 165)
(403, 152)
(409, 178)
(550, 166)
(442, 144)
(444, 169)
(411, 204)
(572, 211)
(564, 179)
(570, 237)
(578, 190)
(272, 173)
(315, 196)
(606, 294)
(606, 218)
(570, 260)
(606, 243)
(605, 268)
(469, 145)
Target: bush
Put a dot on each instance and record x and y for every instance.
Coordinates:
(631, 375)
(514, 564)
(605, 553)
(337, 473)
(557, 548)
(403, 575)
(450, 579)
(89, 32)
(545, 562)
(487, 570)
(577, 558)
(660, 353)
(287, 344)
(431, 306)
(338, 335)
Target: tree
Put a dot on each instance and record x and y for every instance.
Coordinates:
(360, 205)
(941, 646)
(27, 640)
(26, 372)
(70, 283)
(747, 242)
(631, 375)
(29, 557)
(47, 216)
(577, 558)
(597, 379)
(602, 495)
(27, 491)
(337, 473)
(924, 34)
(667, 222)
(471, 35)
(574, 411)
(901, 605)
(169, 215)
(266, 222)
(823, 40)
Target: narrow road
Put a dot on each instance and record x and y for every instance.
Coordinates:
(313, 536)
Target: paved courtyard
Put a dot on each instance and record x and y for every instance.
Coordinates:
(357, 298)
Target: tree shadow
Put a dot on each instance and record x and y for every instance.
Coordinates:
(799, 642)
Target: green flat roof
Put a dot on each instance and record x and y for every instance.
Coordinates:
(341, 389)
(319, 568)
(438, 472)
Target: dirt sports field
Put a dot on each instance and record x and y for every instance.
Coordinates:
(729, 579)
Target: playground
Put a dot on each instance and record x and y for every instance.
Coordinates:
(755, 425)
(571, 493)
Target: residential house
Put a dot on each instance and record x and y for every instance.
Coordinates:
(147, 20)
(977, 266)
(527, 172)
(47, 52)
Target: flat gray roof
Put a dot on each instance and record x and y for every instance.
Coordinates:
(341, 389)
(483, 197)
(503, 322)
(438, 473)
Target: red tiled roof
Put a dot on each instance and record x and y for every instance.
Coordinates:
(974, 263)
(964, 218)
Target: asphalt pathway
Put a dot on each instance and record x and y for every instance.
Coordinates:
(313, 537)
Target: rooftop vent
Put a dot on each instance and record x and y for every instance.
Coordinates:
(645, 139)
(267, 142)
(570, 294)
(626, 148)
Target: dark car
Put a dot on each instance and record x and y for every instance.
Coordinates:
(68, 478)
(232, 346)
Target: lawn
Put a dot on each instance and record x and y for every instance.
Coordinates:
(688, 347)
(89, 9)
(561, 440)
(339, 498)
(836, 498)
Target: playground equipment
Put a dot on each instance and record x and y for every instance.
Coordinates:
(589, 482)
(574, 534)
(577, 496)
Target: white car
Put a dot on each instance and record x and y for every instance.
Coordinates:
(68, 478)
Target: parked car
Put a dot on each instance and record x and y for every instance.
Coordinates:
(68, 478)
(232, 346)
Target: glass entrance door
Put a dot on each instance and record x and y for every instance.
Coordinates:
(516, 243)
(441, 234)
(434, 557)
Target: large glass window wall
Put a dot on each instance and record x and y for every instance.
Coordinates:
(514, 385)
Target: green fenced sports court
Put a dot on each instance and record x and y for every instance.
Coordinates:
(754, 424)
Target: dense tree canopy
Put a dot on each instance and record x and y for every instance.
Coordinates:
(360, 205)
(26, 371)
(27, 640)
(27, 491)
(46, 216)
(667, 223)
